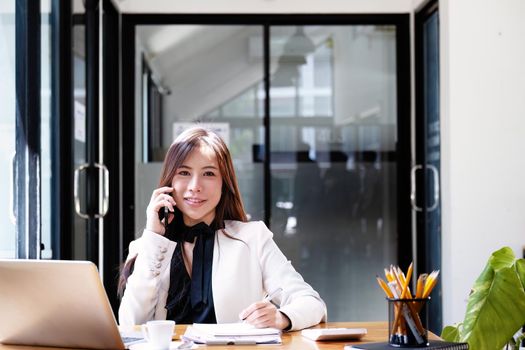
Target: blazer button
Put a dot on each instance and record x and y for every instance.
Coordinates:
(158, 265)
(163, 249)
(160, 257)
(156, 273)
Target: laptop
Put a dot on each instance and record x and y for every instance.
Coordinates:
(56, 303)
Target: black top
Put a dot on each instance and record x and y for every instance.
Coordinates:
(190, 300)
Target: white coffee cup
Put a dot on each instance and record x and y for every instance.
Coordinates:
(159, 333)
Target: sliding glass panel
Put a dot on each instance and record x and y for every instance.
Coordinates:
(433, 159)
(8, 132)
(7, 128)
(333, 167)
(211, 74)
(79, 238)
(333, 135)
(45, 115)
(428, 145)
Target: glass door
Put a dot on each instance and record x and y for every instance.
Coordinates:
(25, 118)
(96, 128)
(426, 173)
(79, 136)
(334, 129)
(316, 115)
(89, 187)
(7, 129)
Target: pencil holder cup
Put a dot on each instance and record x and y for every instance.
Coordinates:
(407, 322)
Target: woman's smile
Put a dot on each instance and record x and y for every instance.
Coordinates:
(194, 202)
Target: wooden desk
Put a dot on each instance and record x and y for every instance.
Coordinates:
(377, 331)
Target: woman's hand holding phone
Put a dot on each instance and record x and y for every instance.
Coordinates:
(160, 198)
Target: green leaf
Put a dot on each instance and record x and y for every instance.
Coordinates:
(520, 267)
(502, 258)
(451, 333)
(496, 306)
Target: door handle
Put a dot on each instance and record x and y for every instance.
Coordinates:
(413, 188)
(77, 172)
(105, 190)
(435, 172)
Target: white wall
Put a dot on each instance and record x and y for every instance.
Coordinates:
(483, 139)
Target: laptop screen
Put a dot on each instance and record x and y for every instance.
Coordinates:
(55, 303)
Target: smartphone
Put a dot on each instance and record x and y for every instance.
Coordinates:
(163, 214)
(166, 216)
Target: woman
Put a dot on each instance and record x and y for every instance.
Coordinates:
(233, 263)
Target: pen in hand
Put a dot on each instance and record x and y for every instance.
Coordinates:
(272, 295)
(269, 297)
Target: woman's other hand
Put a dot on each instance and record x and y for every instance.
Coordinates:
(264, 314)
(160, 198)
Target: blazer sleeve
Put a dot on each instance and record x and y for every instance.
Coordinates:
(299, 301)
(147, 286)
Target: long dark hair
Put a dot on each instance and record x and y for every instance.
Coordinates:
(230, 206)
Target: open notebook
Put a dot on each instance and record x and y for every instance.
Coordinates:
(231, 334)
(56, 303)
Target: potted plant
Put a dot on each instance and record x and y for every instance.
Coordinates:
(496, 305)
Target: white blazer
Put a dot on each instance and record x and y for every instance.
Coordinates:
(242, 273)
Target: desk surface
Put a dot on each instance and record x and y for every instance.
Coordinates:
(377, 331)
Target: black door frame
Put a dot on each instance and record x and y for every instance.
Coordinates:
(112, 126)
(425, 250)
(62, 129)
(401, 21)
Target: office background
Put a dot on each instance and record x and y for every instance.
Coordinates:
(482, 82)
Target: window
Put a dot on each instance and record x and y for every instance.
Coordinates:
(334, 123)
(7, 128)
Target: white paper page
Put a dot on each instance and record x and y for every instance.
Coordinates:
(234, 329)
(203, 337)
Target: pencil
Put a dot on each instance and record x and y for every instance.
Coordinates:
(405, 308)
(404, 287)
(384, 286)
(430, 283)
(388, 276)
(397, 280)
(407, 281)
(421, 285)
